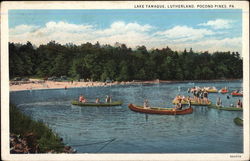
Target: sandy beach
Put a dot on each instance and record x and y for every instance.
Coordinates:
(34, 84)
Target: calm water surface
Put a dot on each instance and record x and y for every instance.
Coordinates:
(119, 130)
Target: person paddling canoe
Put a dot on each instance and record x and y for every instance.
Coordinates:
(108, 99)
(189, 103)
(82, 99)
(205, 94)
(239, 104)
(179, 105)
(146, 105)
(97, 100)
(218, 102)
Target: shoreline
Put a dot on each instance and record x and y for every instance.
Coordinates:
(31, 136)
(43, 85)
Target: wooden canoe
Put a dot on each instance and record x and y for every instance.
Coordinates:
(225, 108)
(162, 111)
(236, 94)
(193, 103)
(223, 91)
(115, 103)
(238, 121)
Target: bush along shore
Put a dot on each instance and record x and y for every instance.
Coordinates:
(238, 121)
(29, 136)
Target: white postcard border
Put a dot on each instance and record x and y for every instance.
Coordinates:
(5, 6)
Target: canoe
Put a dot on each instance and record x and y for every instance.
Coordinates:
(212, 90)
(225, 108)
(192, 103)
(223, 91)
(162, 111)
(115, 103)
(238, 121)
(236, 94)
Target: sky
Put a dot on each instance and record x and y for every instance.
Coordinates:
(202, 30)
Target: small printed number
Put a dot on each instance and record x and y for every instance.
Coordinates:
(235, 156)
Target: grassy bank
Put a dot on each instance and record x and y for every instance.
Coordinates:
(44, 140)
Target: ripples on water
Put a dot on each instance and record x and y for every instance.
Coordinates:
(119, 130)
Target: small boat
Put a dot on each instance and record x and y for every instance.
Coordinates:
(238, 121)
(225, 108)
(115, 103)
(223, 91)
(237, 93)
(162, 111)
(194, 103)
(211, 90)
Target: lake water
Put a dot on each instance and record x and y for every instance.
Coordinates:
(120, 130)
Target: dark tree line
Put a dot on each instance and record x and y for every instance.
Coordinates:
(99, 63)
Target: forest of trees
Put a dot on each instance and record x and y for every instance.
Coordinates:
(120, 63)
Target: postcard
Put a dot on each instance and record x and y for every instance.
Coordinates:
(125, 80)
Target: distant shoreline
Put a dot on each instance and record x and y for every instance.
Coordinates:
(38, 85)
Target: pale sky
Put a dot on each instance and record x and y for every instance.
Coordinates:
(202, 30)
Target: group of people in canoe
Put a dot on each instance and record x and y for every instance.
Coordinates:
(223, 90)
(198, 98)
(234, 93)
(207, 89)
(179, 105)
(200, 95)
(82, 99)
(237, 93)
(238, 103)
(215, 90)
